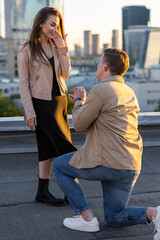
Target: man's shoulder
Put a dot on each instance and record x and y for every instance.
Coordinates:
(101, 87)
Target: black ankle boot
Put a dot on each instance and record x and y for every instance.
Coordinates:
(43, 194)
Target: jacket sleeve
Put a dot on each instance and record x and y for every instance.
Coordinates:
(84, 114)
(64, 60)
(23, 69)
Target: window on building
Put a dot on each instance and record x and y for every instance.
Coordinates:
(152, 101)
(12, 89)
(6, 90)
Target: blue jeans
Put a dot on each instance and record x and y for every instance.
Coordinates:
(117, 186)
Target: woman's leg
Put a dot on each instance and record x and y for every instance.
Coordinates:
(45, 168)
(43, 194)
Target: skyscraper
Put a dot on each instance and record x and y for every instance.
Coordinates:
(106, 45)
(16, 18)
(87, 43)
(134, 15)
(95, 44)
(143, 46)
(77, 50)
(115, 38)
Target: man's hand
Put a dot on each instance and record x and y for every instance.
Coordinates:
(79, 92)
(31, 123)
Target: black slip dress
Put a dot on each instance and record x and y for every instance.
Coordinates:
(52, 130)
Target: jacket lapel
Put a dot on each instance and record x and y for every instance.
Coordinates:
(55, 55)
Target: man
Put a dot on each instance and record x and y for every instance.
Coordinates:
(111, 153)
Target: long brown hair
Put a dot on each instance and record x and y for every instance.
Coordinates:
(34, 40)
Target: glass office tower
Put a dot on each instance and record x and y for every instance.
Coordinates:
(16, 18)
(143, 46)
(134, 15)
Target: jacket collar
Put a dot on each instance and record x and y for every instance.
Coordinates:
(116, 78)
(53, 46)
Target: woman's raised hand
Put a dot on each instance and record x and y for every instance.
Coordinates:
(58, 40)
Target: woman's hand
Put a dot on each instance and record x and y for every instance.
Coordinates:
(31, 123)
(58, 40)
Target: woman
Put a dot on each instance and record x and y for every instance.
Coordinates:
(43, 64)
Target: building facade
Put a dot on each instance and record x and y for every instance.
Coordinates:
(87, 43)
(134, 15)
(77, 50)
(16, 16)
(115, 38)
(95, 44)
(7, 61)
(9, 86)
(143, 46)
(16, 19)
(147, 92)
(106, 45)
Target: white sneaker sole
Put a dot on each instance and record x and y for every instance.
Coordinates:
(81, 228)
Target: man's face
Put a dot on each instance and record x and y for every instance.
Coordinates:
(100, 69)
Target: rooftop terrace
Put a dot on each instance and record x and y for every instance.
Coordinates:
(21, 218)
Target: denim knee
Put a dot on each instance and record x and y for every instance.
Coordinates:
(110, 219)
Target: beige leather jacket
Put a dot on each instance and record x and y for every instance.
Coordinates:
(36, 77)
(110, 118)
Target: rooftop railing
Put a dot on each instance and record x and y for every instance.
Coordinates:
(16, 137)
(18, 123)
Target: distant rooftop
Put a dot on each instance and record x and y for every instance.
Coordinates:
(141, 80)
(145, 27)
(6, 80)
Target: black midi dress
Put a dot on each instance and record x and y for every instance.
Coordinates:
(52, 130)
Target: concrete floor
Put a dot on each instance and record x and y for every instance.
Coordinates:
(21, 218)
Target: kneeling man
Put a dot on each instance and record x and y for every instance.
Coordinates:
(111, 153)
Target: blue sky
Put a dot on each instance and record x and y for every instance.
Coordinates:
(101, 16)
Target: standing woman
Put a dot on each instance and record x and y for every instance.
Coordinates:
(43, 64)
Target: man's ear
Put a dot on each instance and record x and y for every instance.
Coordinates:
(105, 67)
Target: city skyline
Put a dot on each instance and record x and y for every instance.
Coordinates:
(101, 18)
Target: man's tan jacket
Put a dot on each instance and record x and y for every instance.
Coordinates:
(36, 77)
(110, 118)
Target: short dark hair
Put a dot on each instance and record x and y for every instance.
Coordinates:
(117, 60)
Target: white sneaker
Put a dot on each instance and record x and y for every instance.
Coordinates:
(156, 221)
(78, 223)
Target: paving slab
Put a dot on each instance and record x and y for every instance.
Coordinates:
(25, 191)
(37, 221)
(140, 237)
(21, 218)
(134, 232)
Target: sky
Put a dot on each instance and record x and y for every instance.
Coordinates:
(101, 16)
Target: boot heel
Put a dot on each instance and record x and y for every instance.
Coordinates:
(44, 196)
